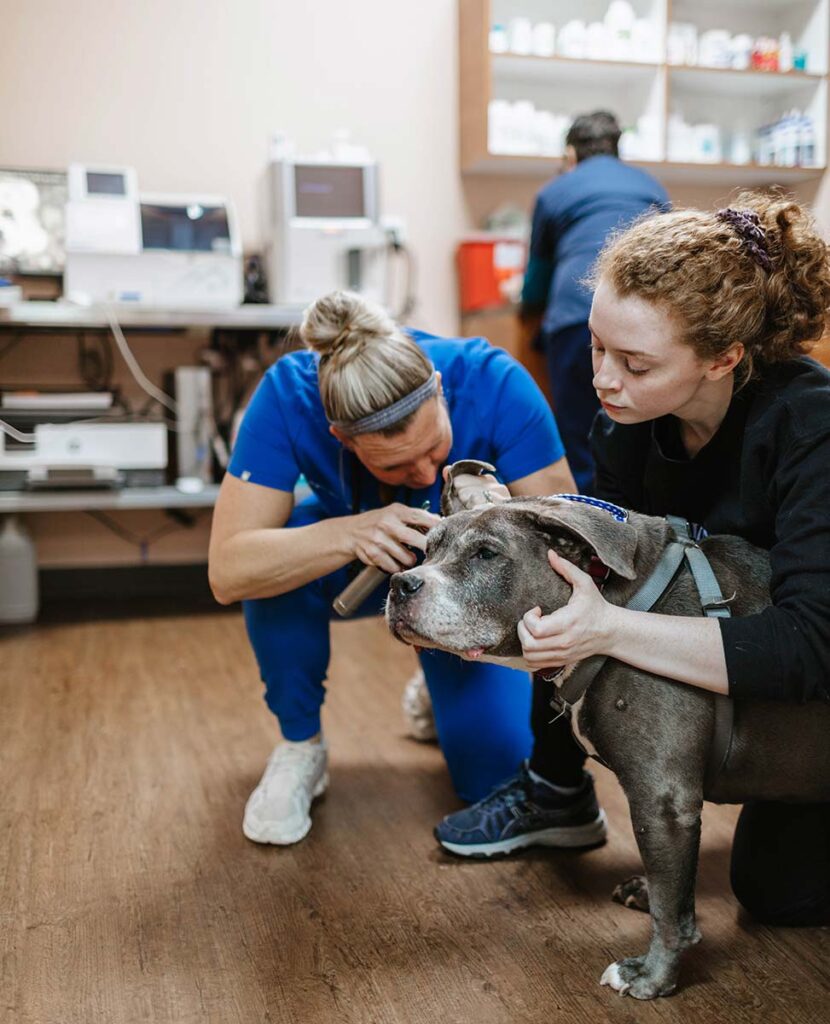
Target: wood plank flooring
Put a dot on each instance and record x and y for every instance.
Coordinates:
(128, 746)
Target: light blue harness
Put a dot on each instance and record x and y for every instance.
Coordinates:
(683, 547)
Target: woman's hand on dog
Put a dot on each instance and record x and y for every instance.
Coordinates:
(579, 629)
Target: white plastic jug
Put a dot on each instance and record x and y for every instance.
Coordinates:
(18, 573)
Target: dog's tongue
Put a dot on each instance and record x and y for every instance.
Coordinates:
(474, 652)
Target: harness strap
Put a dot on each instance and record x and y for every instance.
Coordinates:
(682, 547)
(575, 686)
(714, 606)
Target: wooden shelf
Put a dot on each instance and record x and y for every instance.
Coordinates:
(529, 68)
(64, 314)
(774, 76)
(113, 500)
(126, 498)
(544, 167)
(737, 100)
(526, 62)
(730, 82)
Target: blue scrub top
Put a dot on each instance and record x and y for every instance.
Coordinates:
(573, 216)
(498, 415)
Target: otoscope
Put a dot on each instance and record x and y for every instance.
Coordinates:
(368, 579)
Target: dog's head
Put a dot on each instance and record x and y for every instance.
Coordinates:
(486, 567)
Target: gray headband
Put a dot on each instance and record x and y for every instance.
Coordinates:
(393, 413)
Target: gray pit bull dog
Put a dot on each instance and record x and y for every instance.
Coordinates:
(485, 567)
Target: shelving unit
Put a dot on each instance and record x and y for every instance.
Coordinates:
(60, 314)
(56, 316)
(734, 100)
(113, 500)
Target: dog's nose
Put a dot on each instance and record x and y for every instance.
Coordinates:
(405, 584)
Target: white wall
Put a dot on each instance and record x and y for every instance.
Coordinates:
(188, 92)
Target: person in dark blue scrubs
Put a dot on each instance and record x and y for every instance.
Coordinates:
(574, 215)
(369, 418)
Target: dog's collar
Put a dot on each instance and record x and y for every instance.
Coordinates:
(620, 514)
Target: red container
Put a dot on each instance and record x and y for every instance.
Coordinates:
(490, 271)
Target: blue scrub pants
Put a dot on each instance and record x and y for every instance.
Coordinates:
(482, 711)
(575, 402)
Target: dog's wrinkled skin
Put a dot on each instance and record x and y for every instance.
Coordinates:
(485, 568)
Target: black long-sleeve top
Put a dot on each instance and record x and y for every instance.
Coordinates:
(765, 476)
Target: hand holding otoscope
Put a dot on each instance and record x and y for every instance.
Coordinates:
(456, 495)
(371, 576)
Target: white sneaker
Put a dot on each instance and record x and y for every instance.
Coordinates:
(278, 809)
(417, 709)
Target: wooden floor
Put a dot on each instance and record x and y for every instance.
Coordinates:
(128, 746)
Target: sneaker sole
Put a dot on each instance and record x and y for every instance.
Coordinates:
(273, 837)
(569, 837)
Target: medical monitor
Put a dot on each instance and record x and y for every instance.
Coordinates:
(185, 228)
(322, 190)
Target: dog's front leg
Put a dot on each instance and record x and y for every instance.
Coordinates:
(667, 828)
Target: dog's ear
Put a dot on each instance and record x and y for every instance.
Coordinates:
(615, 543)
(450, 501)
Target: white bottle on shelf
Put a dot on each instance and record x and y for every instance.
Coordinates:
(644, 44)
(715, 48)
(806, 141)
(766, 145)
(707, 144)
(675, 45)
(740, 149)
(498, 39)
(741, 51)
(648, 129)
(597, 43)
(520, 35)
(680, 139)
(790, 138)
(570, 42)
(497, 126)
(524, 117)
(543, 42)
(19, 600)
(619, 24)
(776, 148)
(785, 52)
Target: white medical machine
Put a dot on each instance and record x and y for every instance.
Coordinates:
(167, 251)
(84, 455)
(325, 230)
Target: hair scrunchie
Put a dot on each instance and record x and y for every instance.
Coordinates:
(747, 225)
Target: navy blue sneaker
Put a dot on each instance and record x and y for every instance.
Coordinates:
(522, 812)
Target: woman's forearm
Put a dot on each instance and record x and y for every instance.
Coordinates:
(268, 562)
(689, 650)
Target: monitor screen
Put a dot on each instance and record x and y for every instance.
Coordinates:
(100, 184)
(192, 228)
(326, 190)
(32, 221)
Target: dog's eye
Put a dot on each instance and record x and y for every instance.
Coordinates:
(485, 554)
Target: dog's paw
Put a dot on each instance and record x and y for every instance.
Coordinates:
(611, 976)
(633, 893)
(632, 977)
